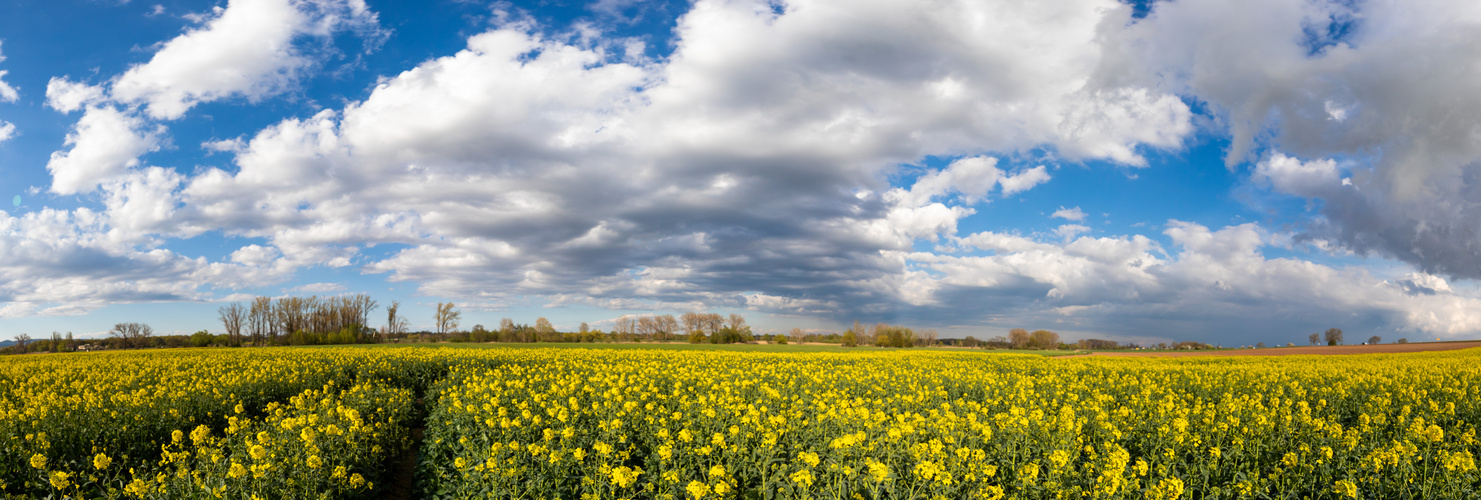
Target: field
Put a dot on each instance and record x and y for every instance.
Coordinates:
(677, 423)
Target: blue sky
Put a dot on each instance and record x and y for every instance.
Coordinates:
(1222, 171)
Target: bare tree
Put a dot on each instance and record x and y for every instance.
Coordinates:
(647, 327)
(667, 325)
(446, 318)
(133, 335)
(693, 322)
(797, 335)
(736, 322)
(625, 325)
(232, 317)
(1045, 339)
(854, 335)
(928, 337)
(1314, 339)
(543, 328)
(260, 318)
(712, 323)
(1333, 336)
(21, 341)
(396, 324)
(1374, 339)
(584, 328)
(1019, 337)
(292, 314)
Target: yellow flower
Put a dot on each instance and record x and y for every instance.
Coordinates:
(314, 462)
(257, 452)
(101, 461)
(236, 471)
(811, 459)
(200, 435)
(356, 480)
(802, 478)
(1434, 433)
(1166, 489)
(624, 476)
(697, 489)
(717, 471)
(38, 461)
(60, 480)
(1345, 488)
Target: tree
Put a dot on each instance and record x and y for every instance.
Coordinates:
(712, 323)
(1045, 339)
(1403, 341)
(20, 342)
(797, 335)
(232, 317)
(1374, 339)
(132, 335)
(850, 339)
(625, 325)
(736, 322)
(543, 328)
(259, 318)
(928, 337)
(1333, 336)
(446, 318)
(396, 324)
(506, 330)
(1259, 345)
(1314, 339)
(667, 325)
(693, 322)
(1020, 338)
(584, 328)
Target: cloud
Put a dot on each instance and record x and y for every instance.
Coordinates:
(1382, 88)
(67, 96)
(68, 262)
(1074, 214)
(752, 168)
(106, 143)
(1068, 231)
(7, 92)
(7, 130)
(551, 166)
(1218, 280)
(246, 49)
(1289, 175)
(317, 288)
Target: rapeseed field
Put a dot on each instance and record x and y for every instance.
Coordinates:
(653, 424)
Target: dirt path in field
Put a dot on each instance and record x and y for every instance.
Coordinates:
(403, 473)
(1291, 351)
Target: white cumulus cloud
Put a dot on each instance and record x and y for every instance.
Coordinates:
(246, 49)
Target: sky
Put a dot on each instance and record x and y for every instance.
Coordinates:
(1222, 171)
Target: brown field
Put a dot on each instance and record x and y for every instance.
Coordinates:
(1291, 351)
